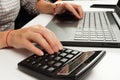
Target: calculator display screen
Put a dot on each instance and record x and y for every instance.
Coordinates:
(71, 66)
(118, 4)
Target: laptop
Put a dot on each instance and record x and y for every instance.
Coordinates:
(97, 29)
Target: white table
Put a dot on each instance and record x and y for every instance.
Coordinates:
(107, 69)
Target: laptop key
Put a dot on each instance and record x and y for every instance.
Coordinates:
(97, 39)
(86, 39)
(108, 39)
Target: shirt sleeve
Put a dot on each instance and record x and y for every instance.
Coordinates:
(30, 6)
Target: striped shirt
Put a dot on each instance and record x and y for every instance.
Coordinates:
(9, 10)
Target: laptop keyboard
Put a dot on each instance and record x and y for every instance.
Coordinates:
(95, 27)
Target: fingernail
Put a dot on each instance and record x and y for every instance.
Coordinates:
(80, 17)
(51, 51)
(60, 47)
(41, 54)
(56, 49)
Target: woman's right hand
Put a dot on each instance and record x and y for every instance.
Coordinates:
(25, 37)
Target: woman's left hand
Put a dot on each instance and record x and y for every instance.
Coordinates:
(73, 8)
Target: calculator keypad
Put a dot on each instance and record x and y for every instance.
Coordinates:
(51, 62)
(67, 64)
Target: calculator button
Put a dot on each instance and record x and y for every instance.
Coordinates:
(74, 52)
(39, 59)
(38, 65)
(69, 56)
(51, 69)
(57, 58)
(28, 60)
(52, 56)
(63, 54)
(51, 62)
(57, 64)
(33, 62)
(44, 67)
(68, 50)
(58, 53)
(64, 59)
(63, 50)
(35, 56)
(46, 60)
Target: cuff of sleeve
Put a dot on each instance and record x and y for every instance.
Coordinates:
(30, 6)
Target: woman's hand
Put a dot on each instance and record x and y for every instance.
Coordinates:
(24, 38)
(73, 8)
(58, 8)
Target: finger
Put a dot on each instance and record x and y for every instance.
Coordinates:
(36, 37)
(29, 46)
(79, 10)
(60, 46)
(71, 9)
(52, 40)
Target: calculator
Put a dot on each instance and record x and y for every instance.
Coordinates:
(67, 64)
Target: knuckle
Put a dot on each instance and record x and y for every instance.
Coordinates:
(37, 26)
(64, 3)
(26, 30)
(44, 30)
(77, 6)
(54, 45)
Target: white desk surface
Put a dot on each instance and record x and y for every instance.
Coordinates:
(107, 69)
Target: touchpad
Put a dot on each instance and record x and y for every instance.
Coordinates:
(67, 16)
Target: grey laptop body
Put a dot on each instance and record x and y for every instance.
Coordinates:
(97, 29)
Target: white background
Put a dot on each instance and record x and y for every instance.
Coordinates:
(107, 69)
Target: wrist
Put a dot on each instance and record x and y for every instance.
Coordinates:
(58, 8)
(8, 38)
(2, 39)
(45, 7)
(55, 9)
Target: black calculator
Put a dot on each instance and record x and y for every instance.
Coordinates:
(67, 64)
